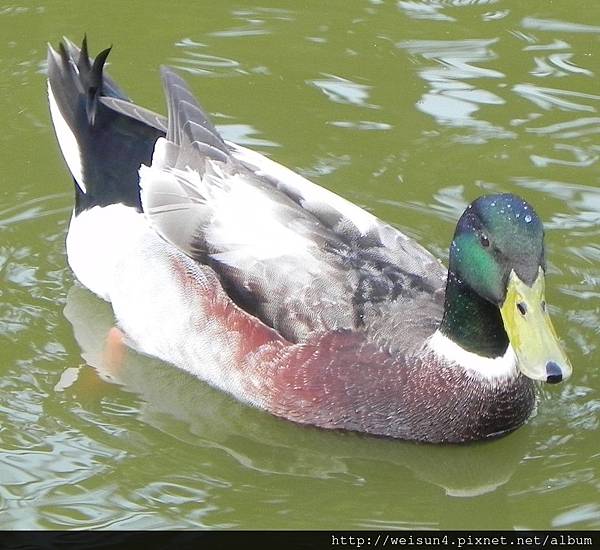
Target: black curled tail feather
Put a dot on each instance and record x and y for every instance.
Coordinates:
(77, 64)
(89, 75)
(113, 136)
(95, 82)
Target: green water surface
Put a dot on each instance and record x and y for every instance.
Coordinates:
(409, 108)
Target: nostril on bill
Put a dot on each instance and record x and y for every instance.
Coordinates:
(554, 373)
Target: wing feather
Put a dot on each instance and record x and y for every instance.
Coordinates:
(300, 258)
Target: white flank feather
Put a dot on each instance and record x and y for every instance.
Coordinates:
(98, 239)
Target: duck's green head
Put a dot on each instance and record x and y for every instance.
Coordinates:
(497, 254)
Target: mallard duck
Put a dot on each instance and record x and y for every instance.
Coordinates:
(224, 263)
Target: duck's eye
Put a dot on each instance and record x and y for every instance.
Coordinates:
(543, 305)
(522, 308)
(484, 241)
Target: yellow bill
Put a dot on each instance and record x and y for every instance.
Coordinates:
(530, 331)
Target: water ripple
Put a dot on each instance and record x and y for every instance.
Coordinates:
(367, 125)
(452, 100)
(343, 90)
(202, 63)
(556, 44)
(35, 208)
(552, 25)
(424, 10)
(244, 134)
(557, 65)
(579, 157)
(587, 514)
(555, 98)
(572, 129)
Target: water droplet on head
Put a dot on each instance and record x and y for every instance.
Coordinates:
(527, 218)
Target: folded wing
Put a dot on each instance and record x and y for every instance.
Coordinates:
(297, 256)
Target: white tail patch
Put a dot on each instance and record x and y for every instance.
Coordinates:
(67, 141)
(487, 368)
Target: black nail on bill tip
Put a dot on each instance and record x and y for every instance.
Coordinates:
(553, 373)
